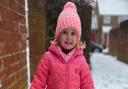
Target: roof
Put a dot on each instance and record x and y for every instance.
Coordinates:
(113, 7)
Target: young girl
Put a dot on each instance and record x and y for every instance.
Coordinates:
(63, 66)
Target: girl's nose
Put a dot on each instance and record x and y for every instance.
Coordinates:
(68, 36)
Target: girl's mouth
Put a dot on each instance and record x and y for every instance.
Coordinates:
(68, 43)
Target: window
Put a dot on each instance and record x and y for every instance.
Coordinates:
(107, 19)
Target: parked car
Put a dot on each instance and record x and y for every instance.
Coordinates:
(95, 47)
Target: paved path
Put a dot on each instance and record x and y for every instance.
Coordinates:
(108, 72)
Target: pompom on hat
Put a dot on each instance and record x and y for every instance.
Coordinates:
(68, 18)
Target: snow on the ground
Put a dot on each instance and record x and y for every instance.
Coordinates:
(108, 72)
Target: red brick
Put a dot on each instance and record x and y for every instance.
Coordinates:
(9, 16)
(7, 26)
(9, 70)
(23, 60)
(5, 14)
(18, 75)
(9, 61)
(10, 80)
(23, 36)
(11, 47)
(6, 2)
(2, 74)
(16, 86)
(23, 29)
(23, 47)
(21, 2)
(9, 36)
(15, 7)
(2, 48)
(17, 67)
(1, 63)
(20, 82)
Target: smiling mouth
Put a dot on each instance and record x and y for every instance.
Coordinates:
(69, 43)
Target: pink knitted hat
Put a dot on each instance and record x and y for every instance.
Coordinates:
(68, 18)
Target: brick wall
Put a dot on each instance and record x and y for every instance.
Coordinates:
(118, 43)
(113, 41)
(123, 49)
(13, 70)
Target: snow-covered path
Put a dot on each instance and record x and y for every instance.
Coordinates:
(108, 72)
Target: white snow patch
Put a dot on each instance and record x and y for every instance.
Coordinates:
(108, 72)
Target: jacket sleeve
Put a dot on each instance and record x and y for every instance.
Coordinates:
(40, 77)
(86, 81)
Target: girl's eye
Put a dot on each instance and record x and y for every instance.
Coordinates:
(73, 33)
(65, 32)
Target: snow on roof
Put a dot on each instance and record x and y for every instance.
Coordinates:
(113, 7)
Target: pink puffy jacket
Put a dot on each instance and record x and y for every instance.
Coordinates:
(54, 73)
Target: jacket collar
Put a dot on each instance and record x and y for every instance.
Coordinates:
(54, 49)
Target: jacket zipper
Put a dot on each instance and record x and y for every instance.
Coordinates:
(66, 75)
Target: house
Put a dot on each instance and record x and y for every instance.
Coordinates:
(109, 14)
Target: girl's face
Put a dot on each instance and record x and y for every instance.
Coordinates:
(68, 38)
